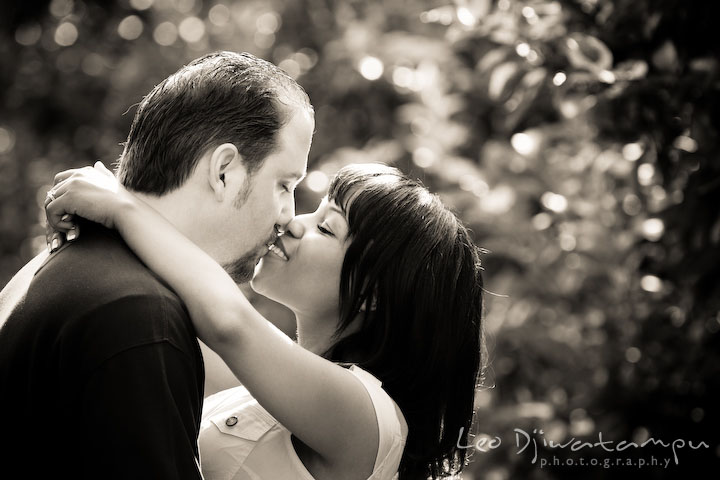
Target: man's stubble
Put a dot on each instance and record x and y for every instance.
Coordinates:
(242, 269)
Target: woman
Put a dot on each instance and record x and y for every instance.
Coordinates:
(382, 279)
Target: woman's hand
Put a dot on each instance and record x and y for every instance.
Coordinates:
(91, 193)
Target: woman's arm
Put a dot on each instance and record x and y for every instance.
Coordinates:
(322, 403)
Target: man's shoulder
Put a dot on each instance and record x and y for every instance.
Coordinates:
(124, 303)
(129, 322)
(99, 266)
(101, 276)
(96, 297)
(16, 289)
(92, 281)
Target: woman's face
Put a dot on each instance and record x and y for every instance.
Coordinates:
(307, 280)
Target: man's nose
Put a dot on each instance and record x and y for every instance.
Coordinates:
(287, 213)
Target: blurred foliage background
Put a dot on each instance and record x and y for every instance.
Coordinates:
(577, 138)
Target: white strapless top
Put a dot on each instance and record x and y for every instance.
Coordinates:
(240, 440)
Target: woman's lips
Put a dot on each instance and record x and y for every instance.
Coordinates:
(278, 249)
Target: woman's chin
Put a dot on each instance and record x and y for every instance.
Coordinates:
(257, 281)
(263, 288)
(270, 280)
(260, 280)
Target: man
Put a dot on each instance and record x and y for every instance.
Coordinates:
(101, 375)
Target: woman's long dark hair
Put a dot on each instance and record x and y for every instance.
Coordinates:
(413, 275)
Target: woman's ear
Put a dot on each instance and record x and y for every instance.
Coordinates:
(223, 160)
(370, 302)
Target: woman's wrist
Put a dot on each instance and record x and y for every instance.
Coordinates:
(128, 208)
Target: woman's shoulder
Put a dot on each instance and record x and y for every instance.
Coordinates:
(378, 394)
(222, 408)
(392, 427)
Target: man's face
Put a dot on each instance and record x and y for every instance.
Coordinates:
(265, 199)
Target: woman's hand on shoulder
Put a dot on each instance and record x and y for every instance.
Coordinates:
(92, 193)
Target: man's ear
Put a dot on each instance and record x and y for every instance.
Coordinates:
(225, 167)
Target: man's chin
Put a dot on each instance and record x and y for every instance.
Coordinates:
(242, 270)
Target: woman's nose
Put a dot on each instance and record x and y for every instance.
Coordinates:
(295, 227)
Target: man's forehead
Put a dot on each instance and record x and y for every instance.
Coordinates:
(290, 158)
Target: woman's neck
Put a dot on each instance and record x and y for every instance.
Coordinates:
(314, 334)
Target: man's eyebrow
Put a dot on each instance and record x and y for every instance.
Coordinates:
(299, 176)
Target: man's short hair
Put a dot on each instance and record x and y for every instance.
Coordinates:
(222, 97)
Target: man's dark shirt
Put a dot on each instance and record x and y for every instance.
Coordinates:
(101, 375)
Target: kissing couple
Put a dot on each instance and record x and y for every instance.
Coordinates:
(101, 373)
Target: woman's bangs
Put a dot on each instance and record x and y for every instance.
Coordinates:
(355, 182)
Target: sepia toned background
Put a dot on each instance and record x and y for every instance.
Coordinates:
(577, 138)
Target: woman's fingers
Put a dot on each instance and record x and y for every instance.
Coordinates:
(89, 192)
(58, 218)
(49, 197)
(73, 232)
(64, 230)
(59, 179)
(61, 226)
(53, 238)
(78, 172)
(64, 175)
(101, 167)
(56, 238)
(55, 242)
(67, 222)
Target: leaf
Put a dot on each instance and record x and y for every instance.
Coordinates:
(587, 52)
(666, 57)
(499, 79)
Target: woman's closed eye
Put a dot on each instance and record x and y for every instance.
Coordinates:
(324, 230)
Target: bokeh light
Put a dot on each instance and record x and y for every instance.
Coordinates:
(653, 229)
(522, 49)
(651, 283)
(268, 23)
(28, 34)
(645, 174)
(61, 8)
(165, 34)
(219, 15)
(465, 16)
(317, 181)
(555, 202)
(66, 34)
(541, 221)
(559, 78)
(688, 144)
(186, 6)
(423, 157)
(7, 140)
(141, 4)
(632, 151)
(524, 143)
(633, 355)
(131, 27)
(191, 29)
(371, 68)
